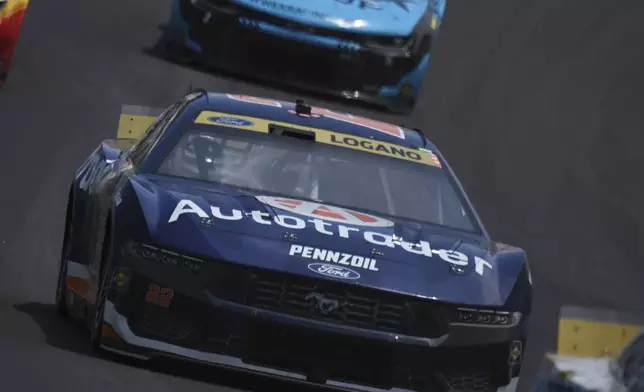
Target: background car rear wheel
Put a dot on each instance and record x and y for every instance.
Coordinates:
(61, 287)
(96, 327)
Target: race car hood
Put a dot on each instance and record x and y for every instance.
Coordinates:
(323, 241)
(382, 17)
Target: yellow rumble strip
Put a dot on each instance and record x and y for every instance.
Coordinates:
(596, 333)
(135, 120)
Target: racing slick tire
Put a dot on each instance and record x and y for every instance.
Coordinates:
(61, 288)
(96, 326)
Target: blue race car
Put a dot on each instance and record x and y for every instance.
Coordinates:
(291, 241)
(371, 50)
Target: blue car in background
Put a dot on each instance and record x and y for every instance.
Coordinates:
(371, 50)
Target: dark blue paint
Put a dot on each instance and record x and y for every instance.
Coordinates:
(148, 200)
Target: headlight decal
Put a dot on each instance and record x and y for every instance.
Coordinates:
(164, 256)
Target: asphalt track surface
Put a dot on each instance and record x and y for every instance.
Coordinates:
(537, 105)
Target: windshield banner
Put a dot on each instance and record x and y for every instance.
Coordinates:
(261, 125)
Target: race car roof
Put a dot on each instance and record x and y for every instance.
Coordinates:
(321, 118)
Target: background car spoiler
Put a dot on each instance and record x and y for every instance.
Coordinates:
(135, 120)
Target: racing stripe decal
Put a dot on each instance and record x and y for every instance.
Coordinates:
(107, 332)
(259, 101)
(77, 278)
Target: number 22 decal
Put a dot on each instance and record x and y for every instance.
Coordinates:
(379, 126)
(160, 296)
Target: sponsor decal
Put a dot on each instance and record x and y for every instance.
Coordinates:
(254, 124)
(348, 259)
(160, 296)
(287, 8)
(379, 126)
(433, 157)
(118, 198)
(516, 351)
(240, 122)
(330, 228)
(334, 271)
(376, 4)
(120, 279)
(329, 213)
(381, 148)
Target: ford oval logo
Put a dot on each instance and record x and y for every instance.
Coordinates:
(334, 271)
(230, 121)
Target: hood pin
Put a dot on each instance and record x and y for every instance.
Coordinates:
(457, 269)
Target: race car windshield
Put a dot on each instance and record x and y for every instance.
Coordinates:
(307, 170)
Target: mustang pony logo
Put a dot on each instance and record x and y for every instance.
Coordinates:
(375, 4)
(323, 304)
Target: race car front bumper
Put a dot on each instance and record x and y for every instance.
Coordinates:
(243, 40)
(196, 313)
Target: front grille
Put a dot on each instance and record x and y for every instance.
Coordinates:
(358, 306)
(469, 380)
(197, 325)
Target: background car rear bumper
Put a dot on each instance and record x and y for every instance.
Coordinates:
(317, 63)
